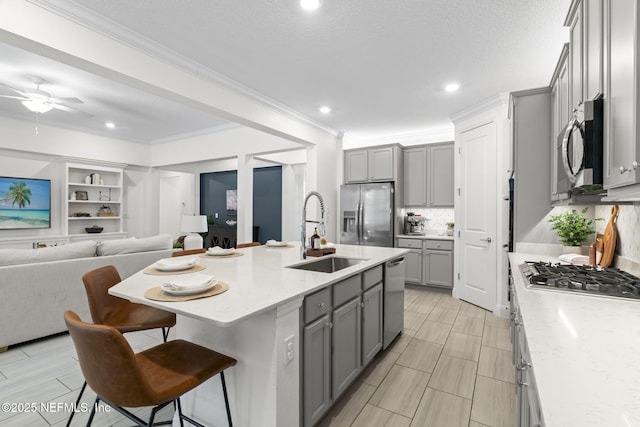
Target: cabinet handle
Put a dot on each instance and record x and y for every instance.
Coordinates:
(523, 384)
(361, 305)
(523, 366)
(321, 306)
(633, 167)
(330, 325)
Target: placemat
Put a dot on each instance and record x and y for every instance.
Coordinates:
(158, 294)
(231, 255)
(155, 272)
(279, 247)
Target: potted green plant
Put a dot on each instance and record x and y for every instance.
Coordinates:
(450, 226)
(573, 228)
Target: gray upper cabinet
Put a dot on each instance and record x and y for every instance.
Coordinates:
(371, 164)
(593, 48)
(429, 176)
(574, 22)
(559, 120)
(415, 176)
(440, 170)
(621, 144)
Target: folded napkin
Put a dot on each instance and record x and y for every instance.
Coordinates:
(219, 250)
(176, 262)
(194, 281)
(275, 243)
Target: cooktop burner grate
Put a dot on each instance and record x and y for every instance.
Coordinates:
(602, 281)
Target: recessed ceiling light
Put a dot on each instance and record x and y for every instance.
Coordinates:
(324, 109)
(452, 87)
(309, 4)
(110, 125)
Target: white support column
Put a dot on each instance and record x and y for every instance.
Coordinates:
(245, 198)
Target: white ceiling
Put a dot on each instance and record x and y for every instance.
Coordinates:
(380, 64)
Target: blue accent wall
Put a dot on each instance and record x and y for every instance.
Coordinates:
(267, 199)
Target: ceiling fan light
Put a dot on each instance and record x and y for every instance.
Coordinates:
(37, 106)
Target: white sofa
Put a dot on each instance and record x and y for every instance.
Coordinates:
(37, 286)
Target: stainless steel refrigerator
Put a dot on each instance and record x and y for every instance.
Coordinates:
(367, 214)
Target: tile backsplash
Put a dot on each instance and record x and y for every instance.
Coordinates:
(436, 218)
(628, 225)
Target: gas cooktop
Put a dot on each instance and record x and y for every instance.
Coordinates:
(600, 281)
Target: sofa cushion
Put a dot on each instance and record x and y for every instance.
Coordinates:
(135, 244)
(82, 249)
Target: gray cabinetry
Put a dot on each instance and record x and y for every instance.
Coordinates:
(317, 369)
(593, 48)
(342, 332)
(371, 164)
(559, 120)
(574, 22)
(429, 175)
(429, 263)
(621, 91)
(438, 263)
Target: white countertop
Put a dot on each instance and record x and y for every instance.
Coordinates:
(583, 351)
(424, 236)
(258, 281)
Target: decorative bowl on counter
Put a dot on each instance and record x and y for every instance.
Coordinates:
(94, 229)
(231, 222)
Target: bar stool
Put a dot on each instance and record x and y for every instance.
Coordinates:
(154, 377)
(119, 313)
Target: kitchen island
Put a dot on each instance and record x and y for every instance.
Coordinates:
(251, 322)
(583, 350)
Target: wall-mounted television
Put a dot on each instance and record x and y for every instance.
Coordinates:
(24, 203)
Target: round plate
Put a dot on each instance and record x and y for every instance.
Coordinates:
(184, 265)
(221, 252)
(276, 244)
(190, 291)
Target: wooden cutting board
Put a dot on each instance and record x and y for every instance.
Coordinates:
(610, 238)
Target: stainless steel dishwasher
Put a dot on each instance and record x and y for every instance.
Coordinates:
(393, 300)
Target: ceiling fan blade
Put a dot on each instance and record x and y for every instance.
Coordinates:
(15, 90)
(71, 110)
(21, 98)
(67, 100)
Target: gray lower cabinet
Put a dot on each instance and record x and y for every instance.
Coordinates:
(429, 263)
(317, 369)
(413, 267)
(347, 345)
(372, 326)
(438, 268)
(342, 333)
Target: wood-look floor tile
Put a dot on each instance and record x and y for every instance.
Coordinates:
(372, 416)
(409, 298)
(429, 296)
(375, 373)
(463, 346)
(400, 343)
(454, 375)
(443, 315)
(420, 306)
(496, 338)
(401, 390)
(413, 319)
(493, 321)
(24, 419)
(40, 392)
(496, 363)
(350, 405)
(421, 355)
(476, 424)
(440, 409)
(472, 310)
(433, 331)
(449, 302)
(470, 325)
(494, 403)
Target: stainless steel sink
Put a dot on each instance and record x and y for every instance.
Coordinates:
(328, 264)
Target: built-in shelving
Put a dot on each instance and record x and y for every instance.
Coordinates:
(88, 189)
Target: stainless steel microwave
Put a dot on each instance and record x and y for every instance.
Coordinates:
(581, 150)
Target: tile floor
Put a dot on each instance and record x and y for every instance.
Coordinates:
(451, 367)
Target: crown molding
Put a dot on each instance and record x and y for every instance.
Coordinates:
(500, 100)
(198, 132)
(87, 18)
(405, 139)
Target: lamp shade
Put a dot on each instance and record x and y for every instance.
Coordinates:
(194, 223)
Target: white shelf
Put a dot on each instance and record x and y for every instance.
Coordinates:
(112, 179)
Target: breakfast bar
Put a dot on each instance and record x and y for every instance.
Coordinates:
(251, 322)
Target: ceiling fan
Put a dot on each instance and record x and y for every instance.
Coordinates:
(39, 101)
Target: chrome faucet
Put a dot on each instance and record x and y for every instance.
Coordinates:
(303, 245)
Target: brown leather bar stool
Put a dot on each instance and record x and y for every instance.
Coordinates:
(247, 245)
(154, 377)
(119, 313)
(188, 252)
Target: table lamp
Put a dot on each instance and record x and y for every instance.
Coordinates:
(193, 224)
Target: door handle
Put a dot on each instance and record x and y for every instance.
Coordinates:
(488, 240)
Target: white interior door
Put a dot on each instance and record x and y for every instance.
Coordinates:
(477, 217)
